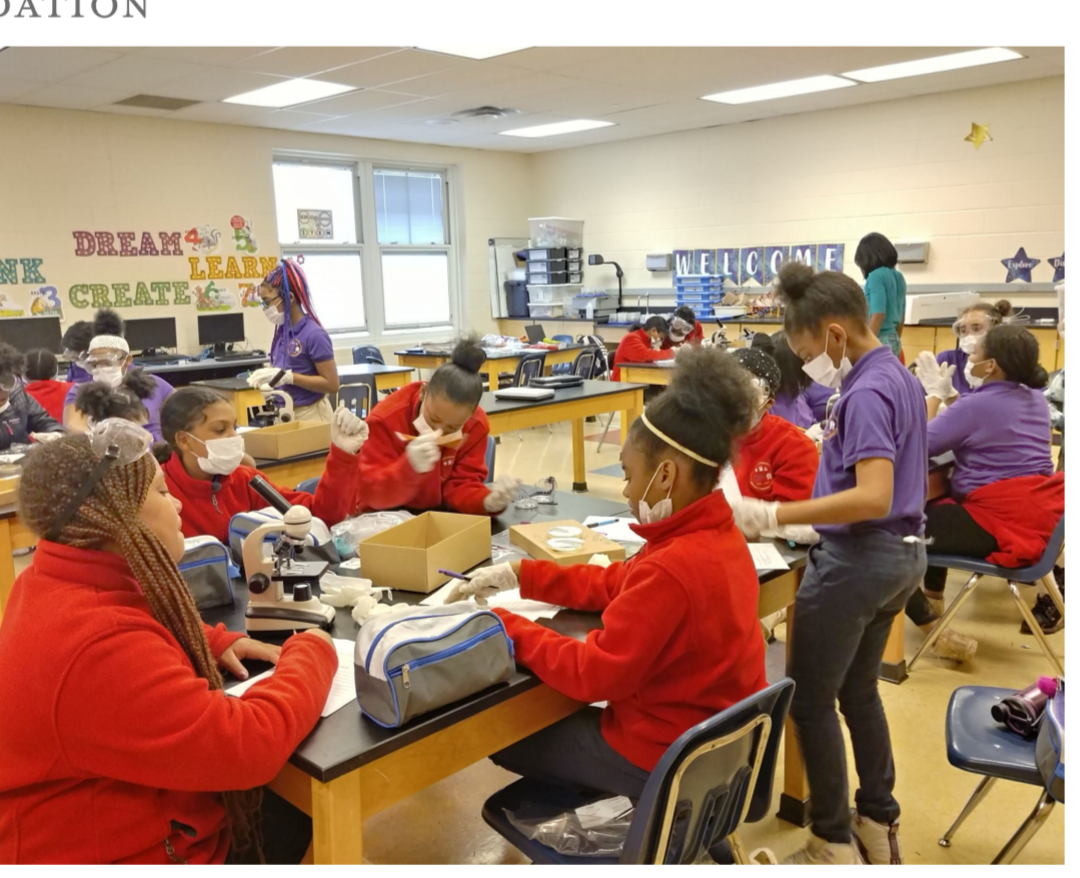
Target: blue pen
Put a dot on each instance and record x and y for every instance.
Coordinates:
(453, 575)
(602, 523)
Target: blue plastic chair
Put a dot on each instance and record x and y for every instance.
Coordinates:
(529, 367)
(489, 459)
(1043, 572)
(358, 397)
(562, 368)
(367, 353)
(715, 777)
(977, 743)
(309, 485)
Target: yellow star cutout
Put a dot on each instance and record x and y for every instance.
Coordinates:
(979, 134)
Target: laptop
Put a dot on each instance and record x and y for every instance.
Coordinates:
(535, 333)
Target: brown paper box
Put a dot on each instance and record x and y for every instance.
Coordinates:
(287, 440)
(408, 556)
(533, 539)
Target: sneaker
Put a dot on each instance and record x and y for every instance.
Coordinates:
(1059, 578)
(937, 605)
(763, 857)
(957, 647)
(819, 852)
(1046, 614)
(878, 843)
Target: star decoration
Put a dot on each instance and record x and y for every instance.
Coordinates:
(1019, 267)
(1058, 264)
(979, 134)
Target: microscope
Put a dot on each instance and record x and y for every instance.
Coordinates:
(277, 407)
(280, 583)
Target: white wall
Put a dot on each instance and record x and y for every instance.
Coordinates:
(900, 167)
(66, 170)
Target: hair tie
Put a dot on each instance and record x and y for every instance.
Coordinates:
(691, 454)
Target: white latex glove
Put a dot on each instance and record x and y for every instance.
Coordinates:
(347, 431)
(424, 453)
(261, 378)
(503, 491)
(45, 437)
(802, 534)
(936, 378)
(753, 517)
(345, 591)
(482, 584)
(816, 432)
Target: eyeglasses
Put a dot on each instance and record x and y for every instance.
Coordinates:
(966, 329)
(267, 303)
(7, 383)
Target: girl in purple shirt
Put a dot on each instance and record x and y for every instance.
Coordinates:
(970, 329)
(301, 346)
(868, 508)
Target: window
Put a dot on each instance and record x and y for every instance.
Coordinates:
(404, 279)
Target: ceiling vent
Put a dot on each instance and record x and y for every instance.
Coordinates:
(488, 113)
(156, 102)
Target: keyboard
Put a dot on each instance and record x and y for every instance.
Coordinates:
(243, 355)
(160, 361)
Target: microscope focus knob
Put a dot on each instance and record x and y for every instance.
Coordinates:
(258, 583)
(301, 592)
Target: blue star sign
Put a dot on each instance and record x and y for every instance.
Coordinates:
(1058, 264)
(1019, 267)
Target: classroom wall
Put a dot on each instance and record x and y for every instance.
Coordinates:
(899, 167)
(67, 171)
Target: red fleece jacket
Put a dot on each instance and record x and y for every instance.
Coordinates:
(110, 744)
(776, 461)
(388, 481)
(681, 639)
(636, 347)
(1021, 513)
(208, 513)
(50, 396)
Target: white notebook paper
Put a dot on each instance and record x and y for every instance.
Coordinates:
(342, 690)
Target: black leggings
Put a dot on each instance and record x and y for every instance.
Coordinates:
(953, 532)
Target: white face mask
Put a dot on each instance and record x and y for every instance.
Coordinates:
(275, 316)
(822, 370)
(422, 428)
(969, 342)
(973, 380)
(223, 456)
(653, 514)
(5, 406)
(110, 375)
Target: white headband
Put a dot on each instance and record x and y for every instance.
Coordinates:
(691, 454)
(110, 342)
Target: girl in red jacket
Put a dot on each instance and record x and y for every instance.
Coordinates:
(204, 470)
(643, 344)
(125, 749)
(428, 444)
(677, 646)
(42, 383)
(776, 460)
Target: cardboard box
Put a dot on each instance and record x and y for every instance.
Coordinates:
(287, 440)
(408, 556)
(533, 539)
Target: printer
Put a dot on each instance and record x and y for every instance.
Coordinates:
(938, 306)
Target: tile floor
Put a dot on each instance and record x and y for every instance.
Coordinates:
(443, 824)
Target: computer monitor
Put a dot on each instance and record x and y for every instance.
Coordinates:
(151, 333)
(220, 329)
(29, 333)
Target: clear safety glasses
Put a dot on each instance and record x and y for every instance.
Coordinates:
(972, 327)
(7, 383)
(102, 361)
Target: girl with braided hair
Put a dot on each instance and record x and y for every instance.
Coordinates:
(301, 347)
(125, 749)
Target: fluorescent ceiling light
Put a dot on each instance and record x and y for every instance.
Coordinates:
(956, 61)
(773, 90)
(557, 128)
(289, 93)
(474, 52)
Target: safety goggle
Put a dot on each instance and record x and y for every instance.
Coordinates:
(267, 304)
(7, 383)
(965, 329)
(100, 362)
(77, 357)
(113, 441)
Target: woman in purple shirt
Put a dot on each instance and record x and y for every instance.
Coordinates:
(301, 347)
(868, 508)
(970, 329)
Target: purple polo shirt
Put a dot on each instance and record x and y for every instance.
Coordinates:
(795, 411)
(816, 395)
(998, 431)
(153, 404)
(881, 413)
(310, 344)
(958, 358)
(77, 374)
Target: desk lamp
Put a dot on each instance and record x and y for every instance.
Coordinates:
(597, 259)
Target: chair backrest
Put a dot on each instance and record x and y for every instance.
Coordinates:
(715, 777)
(489, 459)
(529, 367)
(600, 365)
(358, 397)
(584, 363)
(1049, 557)
(367, 353)
(309, 485)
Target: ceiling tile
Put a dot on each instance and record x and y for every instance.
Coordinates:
(474, 76)
(217, 56)
(301, 62)
(16, 88)
(50, 65)
(213, 112)
(73, 97)
(549, 58)
(358, 102)
(215, 84)
(288, 119)
(409, 64)
(138, 74)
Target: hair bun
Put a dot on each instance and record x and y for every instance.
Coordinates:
(1003, 307)
(108, 322)
(468, 354)
(795, 279)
